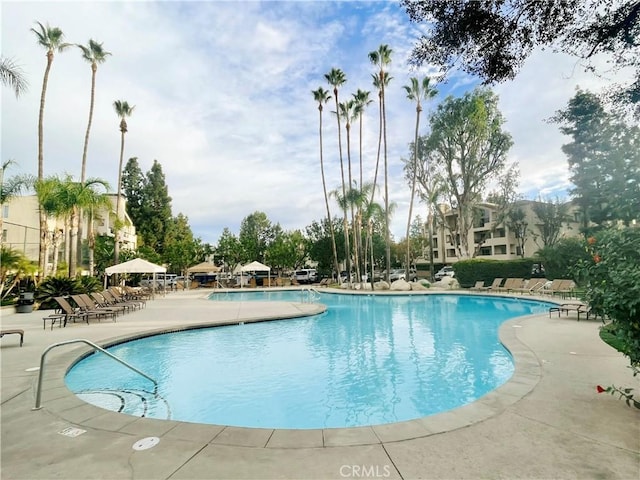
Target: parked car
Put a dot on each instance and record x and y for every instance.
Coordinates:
(401, 274)
(163, 280)
(305, 275)
(444, 272)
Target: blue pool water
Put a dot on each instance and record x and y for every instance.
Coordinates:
(368, 360)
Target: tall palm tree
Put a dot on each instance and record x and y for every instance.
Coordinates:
(361, 98)
(51, 39)
(83, 196)
(347, 110)
(416, 91)
(12, 76)
(47, 190)
(336, 78)
(322, 96)
(94, 54)
(123, 110)
(382, 58)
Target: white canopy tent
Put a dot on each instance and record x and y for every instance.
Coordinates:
(137, 265)
(256, 267)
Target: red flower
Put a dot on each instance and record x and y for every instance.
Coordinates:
(596, 258)
(600, 389)
(591, 240)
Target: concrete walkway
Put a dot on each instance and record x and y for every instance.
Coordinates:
(546, 422)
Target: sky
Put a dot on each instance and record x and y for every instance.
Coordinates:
(222, 95)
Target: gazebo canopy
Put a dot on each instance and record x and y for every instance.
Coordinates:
(255, 267)
(137, 265)
(204, 267)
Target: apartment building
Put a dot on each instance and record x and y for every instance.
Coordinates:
(495, 241)
(21, 228)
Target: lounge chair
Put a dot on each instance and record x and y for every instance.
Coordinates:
(16, 331)
(533, 286)
(95, 304)
(496, 284)
(70, 313)
(510, 284)
(113, 297)
(479, 286)
(90, 311)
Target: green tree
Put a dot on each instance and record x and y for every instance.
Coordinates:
(229, 249)
(180, 245)
(322, 96)
(551, 217)
(12, 76)
(123, 110)
(133, 185)
(604, 161)
(470, 147)
(493, 38)
(381, 58)
(156, 204)
(336, 78)
(256, 233)
(416, 91)
(319, 249)
(51, 39)
(288, 250)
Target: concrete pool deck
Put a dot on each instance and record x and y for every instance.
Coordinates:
(546, 422)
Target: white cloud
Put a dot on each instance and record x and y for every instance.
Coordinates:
(223, 101)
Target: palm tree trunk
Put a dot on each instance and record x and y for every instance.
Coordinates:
(116, 247)
(73, 242)
(42, 260)
(91, 240)
(326, 201)
(83, 169)
(350, 198)
(386, 187)
(413, 187)
(347, 249)
(375, 177)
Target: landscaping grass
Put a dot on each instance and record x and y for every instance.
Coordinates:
(608, 335)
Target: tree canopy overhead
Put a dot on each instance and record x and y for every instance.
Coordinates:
(493, 38)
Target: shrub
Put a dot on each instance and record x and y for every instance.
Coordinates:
(611, 281)
(468, 272)
(560, 260)
(56, 287)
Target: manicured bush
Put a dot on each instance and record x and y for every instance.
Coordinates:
(611, 281)
(468, 272)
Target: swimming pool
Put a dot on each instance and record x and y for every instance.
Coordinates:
(370, 359)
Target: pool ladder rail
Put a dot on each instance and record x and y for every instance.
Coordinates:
(38, 405)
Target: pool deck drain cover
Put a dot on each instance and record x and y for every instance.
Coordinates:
(72, 432)
(146, 443)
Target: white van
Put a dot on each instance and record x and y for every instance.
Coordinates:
(163, 280)
(305, 275)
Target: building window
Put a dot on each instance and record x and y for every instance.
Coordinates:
(500, 250)
(4, 234)
(435, 254)
(5, 211)
(485, 252)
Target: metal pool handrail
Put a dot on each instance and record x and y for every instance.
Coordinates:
(91, 344)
